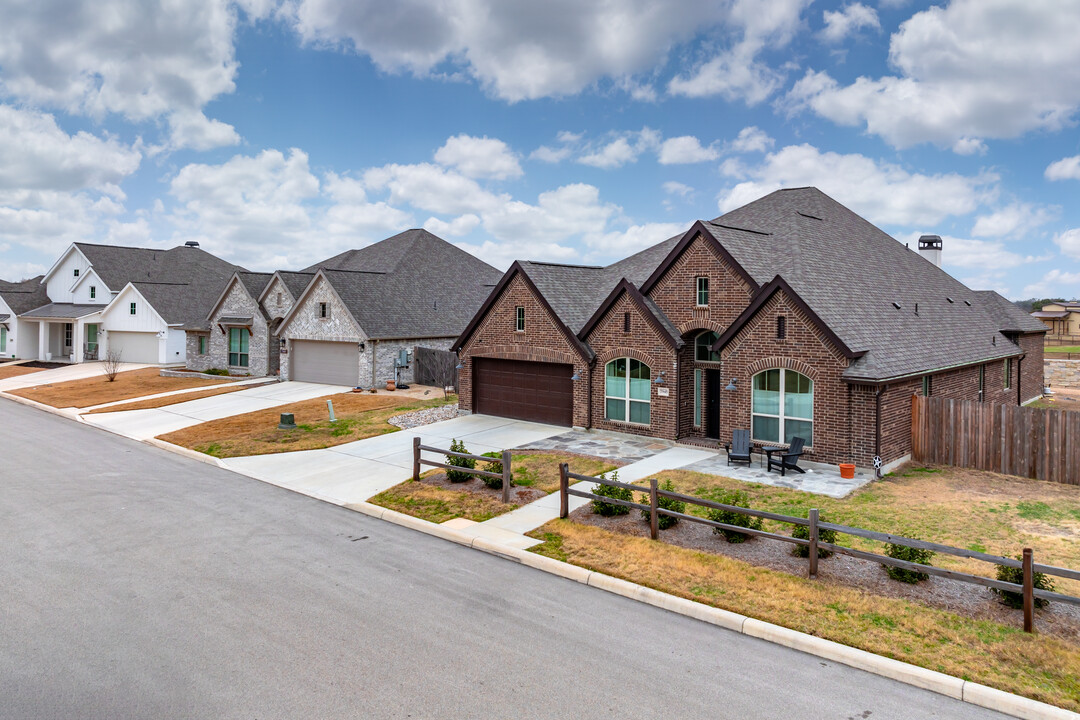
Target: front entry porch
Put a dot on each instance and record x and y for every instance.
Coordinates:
(67, 333)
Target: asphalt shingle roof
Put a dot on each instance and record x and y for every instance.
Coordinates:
(24, 296)
(295, 282)
(255, 282)
(1008, 316)
(63, 310)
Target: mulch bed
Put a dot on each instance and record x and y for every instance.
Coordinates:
(952, 595)
(43, 365)
(518, 495)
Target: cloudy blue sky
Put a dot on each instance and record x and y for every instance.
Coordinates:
(278, 133)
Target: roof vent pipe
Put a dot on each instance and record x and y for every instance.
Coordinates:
(191, 243)
(930, 248)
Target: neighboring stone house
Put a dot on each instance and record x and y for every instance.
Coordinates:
(791, 316)
(236, 336)
(364, 308)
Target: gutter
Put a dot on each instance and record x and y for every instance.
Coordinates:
(877, 425)
(853, 380)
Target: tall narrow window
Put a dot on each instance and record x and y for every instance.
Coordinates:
(202, 344)
(703, 351)
(238, 347)
(3, 339)
(1008, 373)
(519, 319)
(626, 322)
(93, 292)
(782, 407)
(697, 397)
(927, 385)
(781, 327)
(131, 309)
(324, 310)
(627, 391)
(278, 299)
(702, 291)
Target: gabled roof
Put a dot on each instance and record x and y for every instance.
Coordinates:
(253, 283)
(1009, 317)
(648, 308)
(295, 283)
(24, 296)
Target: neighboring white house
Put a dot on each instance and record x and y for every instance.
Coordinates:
(18, 337)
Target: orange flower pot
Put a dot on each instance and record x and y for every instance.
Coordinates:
(847, 471)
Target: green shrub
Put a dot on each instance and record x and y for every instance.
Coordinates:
(915, 555)
(456, 476)
(803, 532)
(664, 521)
(738, 498)
(496, 466)
(1016, 575)
(215, 371)
(607, 509)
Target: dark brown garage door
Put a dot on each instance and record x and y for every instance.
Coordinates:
(541, 392)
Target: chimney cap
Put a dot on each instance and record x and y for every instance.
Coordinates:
(191, 243)
(930, 242)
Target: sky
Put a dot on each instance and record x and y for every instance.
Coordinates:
(278, 133)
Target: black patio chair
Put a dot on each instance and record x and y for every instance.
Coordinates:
(739, 449)
(788, 459)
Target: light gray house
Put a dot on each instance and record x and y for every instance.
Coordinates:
(362, 308)
(18, 337)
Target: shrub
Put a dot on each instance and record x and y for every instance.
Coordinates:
(456, 476)
(607, 509)
(738, 498)
(1016, 575)
(664, 521)
(803, 532)
(215, 371)
(915, 555)
(496, 466)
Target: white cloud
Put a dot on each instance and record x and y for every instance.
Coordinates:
(15, 271)
(479, 157)
(1014, 219)
(1064, 169)
(457, 227)
(751, 139)
(677, 188)
(1056, 283)
(985, 255)
(432, 188)
(1069, 242)
(549, 154)
(974, 69)
(516, 51)
(736, 73)
(620, 243)
(685, 149)
(559, 214)
(192, 129)
(622, 150)
(969, 146)
(848, 20)
(881, 192)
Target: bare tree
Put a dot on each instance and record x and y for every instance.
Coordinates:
(111, 365)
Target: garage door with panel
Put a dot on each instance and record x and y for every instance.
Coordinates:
(332, 363)
(137, 347)
(541, 392)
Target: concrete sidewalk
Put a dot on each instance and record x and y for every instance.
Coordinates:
(79, 371)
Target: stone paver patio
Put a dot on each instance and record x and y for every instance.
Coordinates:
(613, 446)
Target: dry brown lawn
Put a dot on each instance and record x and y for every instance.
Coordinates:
(172, 399)
(360, 415)
(436, 504)
(1042, 667)
(98, 390)
(16, 370)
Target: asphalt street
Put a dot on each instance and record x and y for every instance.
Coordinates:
(135, 583)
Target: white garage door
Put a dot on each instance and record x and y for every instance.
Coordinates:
(137, 347)
(333, 363)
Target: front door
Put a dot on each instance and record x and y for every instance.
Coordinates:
(91, 343)
(713, 384)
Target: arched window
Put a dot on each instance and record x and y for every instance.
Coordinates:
(783, 406)
(703, 351)
(627, 389)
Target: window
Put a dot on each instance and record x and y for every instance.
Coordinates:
(93, 292)
(324, 310)
(703, 351)
(519, 319)
(279, 299)
(238, 347)
(626, 322)
(202, 344)
(982, 382)
(781, 327)
(1008, 373)
(697, 397)
(783, 406)
(627, 389)
(131, 310)
(76, 273)
(3, 339)
(67, 335)
(927, 385)
(702, 291)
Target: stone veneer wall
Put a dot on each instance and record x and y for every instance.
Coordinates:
(195, 361)
(239, 303)
(1062, 374)
(307, 325)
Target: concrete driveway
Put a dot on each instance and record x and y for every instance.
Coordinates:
(356, 471)
(67, 373)
(145, 424)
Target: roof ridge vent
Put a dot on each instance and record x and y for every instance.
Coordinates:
(897, 306)
(808, 215)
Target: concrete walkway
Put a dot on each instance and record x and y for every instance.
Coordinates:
(79, 371)
(210, 385)
(145, 424)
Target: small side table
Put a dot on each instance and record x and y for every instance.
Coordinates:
(769, 450)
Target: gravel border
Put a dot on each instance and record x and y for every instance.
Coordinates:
(425, 416)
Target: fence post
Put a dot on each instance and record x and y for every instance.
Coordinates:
(1029, 592)
(813, 516)
(564, 486)
(654, 506)
(506, 476)
(416, 458)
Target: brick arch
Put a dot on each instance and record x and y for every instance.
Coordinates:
(782, 363)
(604, 359)
(531, 354)
(691, 328)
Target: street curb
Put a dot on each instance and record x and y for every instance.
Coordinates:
(940, 683)
(179, 450)
(40, 406)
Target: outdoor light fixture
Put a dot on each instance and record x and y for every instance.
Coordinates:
(575, 377)
(659, 379)
(731, 385)
(459, 366)
(362, 346)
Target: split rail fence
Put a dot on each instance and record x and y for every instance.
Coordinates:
(1027, 565)
(506, 473)
(1030, 442)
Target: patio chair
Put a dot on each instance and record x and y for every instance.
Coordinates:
(789, 459)
(739, 449)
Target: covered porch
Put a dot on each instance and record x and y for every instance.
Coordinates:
(67, 333)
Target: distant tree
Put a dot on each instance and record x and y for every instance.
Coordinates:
(1037, 305)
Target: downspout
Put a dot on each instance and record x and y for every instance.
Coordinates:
(877, 427)
(1019, 382)
(374, 344)
(588, 395)
(678, 393)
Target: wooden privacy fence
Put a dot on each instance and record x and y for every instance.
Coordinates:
(505, 474)
(1027, 565)
(435, 367)
(1030, 442)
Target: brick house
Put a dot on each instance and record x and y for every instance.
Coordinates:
(791, 316)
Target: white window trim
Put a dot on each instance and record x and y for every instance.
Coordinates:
(699, 375)
(627, 399)
(781, 417)
(519, 318)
